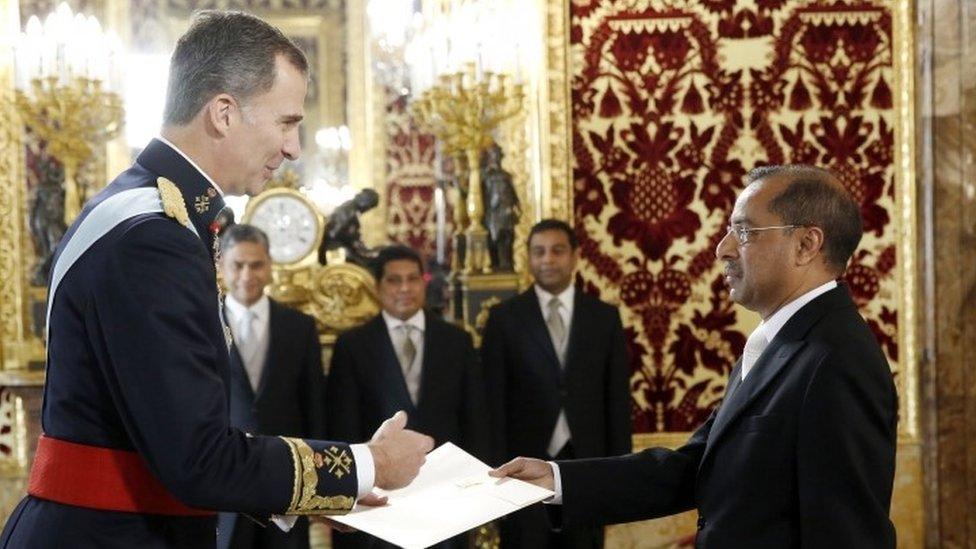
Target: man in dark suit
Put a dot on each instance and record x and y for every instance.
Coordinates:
(276, 378)
(801, 453)
(556, 364)
(138, 450)
(406, 359)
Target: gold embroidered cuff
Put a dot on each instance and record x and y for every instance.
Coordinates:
(305, 499)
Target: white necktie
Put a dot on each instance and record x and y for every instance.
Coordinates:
(247, 343)
(755, 346)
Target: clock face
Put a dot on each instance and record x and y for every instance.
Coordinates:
(291, 224)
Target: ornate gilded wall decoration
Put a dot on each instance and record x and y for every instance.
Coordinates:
(672, 105)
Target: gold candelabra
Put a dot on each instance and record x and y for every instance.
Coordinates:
(462, 110)
(71, 119)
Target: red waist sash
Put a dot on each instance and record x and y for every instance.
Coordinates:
(100, 478)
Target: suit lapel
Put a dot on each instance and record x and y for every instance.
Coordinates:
(577, 330)
(536, 325)
(767, 367)
(777, 355)
(430, 361)
(271, 355)
(387, 364)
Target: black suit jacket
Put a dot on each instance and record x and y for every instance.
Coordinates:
(288, 402)
(366, 386)
(804, 455)
(527, 387)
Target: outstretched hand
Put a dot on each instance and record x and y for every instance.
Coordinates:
(533, 471)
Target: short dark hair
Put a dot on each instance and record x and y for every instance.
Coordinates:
(395, 252)
(241, 232)
(553, 225)
(815, 197)
(224, 52)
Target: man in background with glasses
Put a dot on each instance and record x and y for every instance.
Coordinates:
(801, 452)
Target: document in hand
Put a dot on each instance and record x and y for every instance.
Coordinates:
(452, 494)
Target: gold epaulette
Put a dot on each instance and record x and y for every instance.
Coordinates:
(173, 203)
(305, 499)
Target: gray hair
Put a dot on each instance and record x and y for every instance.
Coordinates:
(224, 52)
(815, 197)
(235, 234)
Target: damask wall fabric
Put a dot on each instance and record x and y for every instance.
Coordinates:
(411, 182)
(673, 102)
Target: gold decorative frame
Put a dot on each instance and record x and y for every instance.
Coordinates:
(17, 344)
(557, 199)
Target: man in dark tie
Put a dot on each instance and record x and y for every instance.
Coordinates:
(276, 378)
(406, 359)
(556, 364)
(801, 453)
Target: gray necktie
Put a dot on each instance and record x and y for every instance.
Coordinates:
(408, 351)
(557, 328)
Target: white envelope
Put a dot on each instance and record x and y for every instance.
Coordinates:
(452, 494)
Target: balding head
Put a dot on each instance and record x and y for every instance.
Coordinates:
(808, 196)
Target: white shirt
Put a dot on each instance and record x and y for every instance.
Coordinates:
(771, 326)
(566, 299)
(561, 433)
(261, 309)
(411, 373)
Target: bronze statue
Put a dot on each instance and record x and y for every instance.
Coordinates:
(342, 230)
(502, 210)
(46, 216)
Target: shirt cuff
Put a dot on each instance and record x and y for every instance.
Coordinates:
(557, 498)
(284, 522)
(365, 469)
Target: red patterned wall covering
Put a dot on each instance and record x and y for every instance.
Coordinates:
(671, 107)
(410, 216)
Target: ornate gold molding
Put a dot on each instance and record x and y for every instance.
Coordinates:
(556, 134)
(906, 205)
(13, 335)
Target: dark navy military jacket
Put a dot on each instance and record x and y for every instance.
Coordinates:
(138, 360)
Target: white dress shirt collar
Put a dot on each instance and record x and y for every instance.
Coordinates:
(567, 298)
(772, 325)
(261, 308)
(417, 321)
(192, 163)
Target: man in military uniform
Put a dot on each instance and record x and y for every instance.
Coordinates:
(137, 449)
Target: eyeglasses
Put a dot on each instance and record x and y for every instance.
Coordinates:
(742, 234)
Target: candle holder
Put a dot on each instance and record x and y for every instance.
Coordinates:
(462, 110)
(67, 82)
(71, 118)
